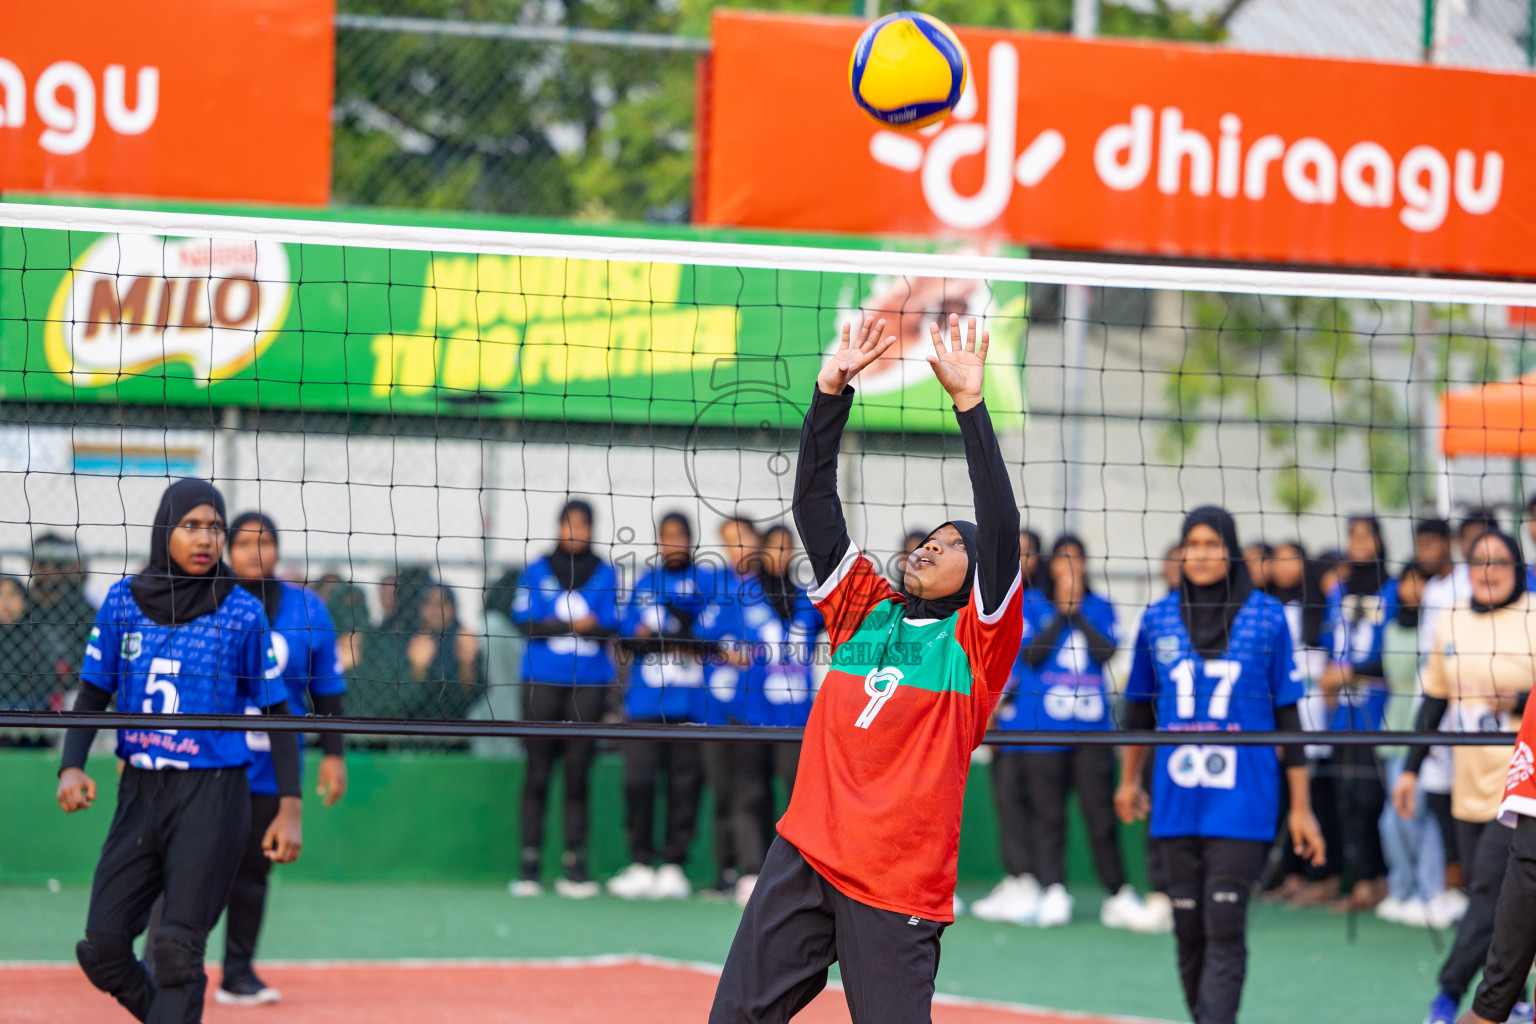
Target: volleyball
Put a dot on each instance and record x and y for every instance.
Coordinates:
(908, 70)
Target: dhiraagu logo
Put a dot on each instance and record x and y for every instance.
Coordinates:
(134, 302)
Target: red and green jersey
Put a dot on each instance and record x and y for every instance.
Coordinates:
(877, 799)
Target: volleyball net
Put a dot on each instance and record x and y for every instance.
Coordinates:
(416, 406)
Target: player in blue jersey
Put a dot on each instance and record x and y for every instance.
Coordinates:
(178, 637)
(1074, 638)
(304, 644)
(1215, 657)
(660, 626)
(566, 605)
(789, 644)
(1356, 691)
(1016, 898)
(740, 775)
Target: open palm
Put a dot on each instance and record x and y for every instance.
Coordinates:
(853, 354)
(959, 363)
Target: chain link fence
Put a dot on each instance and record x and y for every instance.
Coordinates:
(511, 106)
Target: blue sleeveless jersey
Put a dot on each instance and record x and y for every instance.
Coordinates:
(216, 664)
(667, 686)
(304, 646)
(566, 660)
(1355, 633)
(1204, 787)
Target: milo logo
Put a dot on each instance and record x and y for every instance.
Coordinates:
(135, 302)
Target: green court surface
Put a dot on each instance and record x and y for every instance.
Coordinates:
(1303, 966)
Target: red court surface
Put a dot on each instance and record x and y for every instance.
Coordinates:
(593, 991)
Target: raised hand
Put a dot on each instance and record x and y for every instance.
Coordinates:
(959, 364)
(853, 354)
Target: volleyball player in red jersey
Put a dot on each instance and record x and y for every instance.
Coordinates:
(862, 872)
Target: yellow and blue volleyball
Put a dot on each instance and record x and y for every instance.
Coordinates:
(908, 70)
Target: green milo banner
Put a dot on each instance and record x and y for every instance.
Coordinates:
(228, 322)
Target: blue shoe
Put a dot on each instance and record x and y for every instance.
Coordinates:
(1442, 1010)
(1523, 1013)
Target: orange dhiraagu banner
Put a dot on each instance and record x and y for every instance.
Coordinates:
(195, 99)
(1131, 147)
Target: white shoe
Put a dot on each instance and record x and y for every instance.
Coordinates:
(1413, 913)
(1390, 909)
(633, 883)
(1156, 915)
(265, 995)
(573, 890)
(1055, 907)
(670, 884)
(958, 904)
(1445, 908)
(744, 886)
(524, 887)
(1014, 900)
(1123, 909)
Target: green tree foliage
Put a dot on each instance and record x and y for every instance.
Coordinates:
(457, 123)
(1320, 374)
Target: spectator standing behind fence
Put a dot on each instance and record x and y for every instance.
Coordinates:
(380, 679)
(1480, 672)
(26, 684)
(348, 606)
(740, 774)
(60, 615)
(1354, 685)
(659, 625)
(443, 658)
(1074, 639)
(1016, 898)
(790, 646)
(565, 604)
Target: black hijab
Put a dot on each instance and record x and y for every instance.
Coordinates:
(1368, 577)
(944, 607)
(163, 590)
(269, 592)
(1208, 610)
(1516, 557)
(779, 590)
(682, 521)
(574, 568)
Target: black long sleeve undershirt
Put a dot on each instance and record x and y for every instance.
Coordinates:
(1141, 715)
(1100, 647)
(819, 511)
(1431, 713)
(997, 512)
(331, 706)
(285, 745)
(286, 762)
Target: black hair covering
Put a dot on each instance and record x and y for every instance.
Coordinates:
(944, 607)
(1063, 542)
(574, 568)
(1517, 558)
(680, 520)
(1433, 528)
(1040, 579)
(778, 589)
(1368, 577)
(268, 591)
(1208, 611)
(165, 591)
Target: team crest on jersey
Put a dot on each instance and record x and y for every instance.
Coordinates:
(1169, 649)
(133, 644)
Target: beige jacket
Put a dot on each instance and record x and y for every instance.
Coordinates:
(1480, 664)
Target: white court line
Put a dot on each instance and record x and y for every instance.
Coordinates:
(631, 960)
